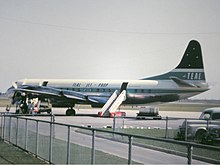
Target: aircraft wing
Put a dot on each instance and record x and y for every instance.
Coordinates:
(49, 92)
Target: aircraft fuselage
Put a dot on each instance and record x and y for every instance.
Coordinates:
(138, 91)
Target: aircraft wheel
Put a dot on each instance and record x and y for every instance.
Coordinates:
(70, 112)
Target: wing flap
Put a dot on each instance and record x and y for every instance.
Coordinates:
(98, 100)
(74, 95)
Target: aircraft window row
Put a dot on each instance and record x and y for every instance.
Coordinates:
(139, 90)
(90, 89)
(107, 90)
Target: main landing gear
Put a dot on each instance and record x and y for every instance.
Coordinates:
(70, 112)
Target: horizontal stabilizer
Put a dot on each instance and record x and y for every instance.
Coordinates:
(181, 83)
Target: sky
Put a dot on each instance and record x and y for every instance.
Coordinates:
(106, 39)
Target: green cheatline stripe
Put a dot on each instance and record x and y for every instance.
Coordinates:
(187, 75)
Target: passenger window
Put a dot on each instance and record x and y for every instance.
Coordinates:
(215, 116)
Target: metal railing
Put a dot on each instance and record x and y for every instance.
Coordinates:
(60, 143)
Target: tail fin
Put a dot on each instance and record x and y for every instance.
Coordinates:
(190, 69)
(192, 58)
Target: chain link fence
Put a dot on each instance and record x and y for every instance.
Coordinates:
(70, 144)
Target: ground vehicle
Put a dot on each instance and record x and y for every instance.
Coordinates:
(205, 129)
(148, 113)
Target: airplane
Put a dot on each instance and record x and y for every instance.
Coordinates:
(184, 81)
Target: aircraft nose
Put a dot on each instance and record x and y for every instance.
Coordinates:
(11, 91)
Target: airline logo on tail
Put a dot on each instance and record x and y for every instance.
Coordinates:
(193, 76)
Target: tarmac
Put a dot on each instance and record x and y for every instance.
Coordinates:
(10, 154)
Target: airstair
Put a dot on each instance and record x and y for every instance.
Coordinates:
(111, 106)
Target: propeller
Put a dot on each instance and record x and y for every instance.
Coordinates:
(14, 84)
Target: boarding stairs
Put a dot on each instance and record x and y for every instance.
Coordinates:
(113, 103)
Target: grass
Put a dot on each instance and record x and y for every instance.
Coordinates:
(10, 154)
(185, 107)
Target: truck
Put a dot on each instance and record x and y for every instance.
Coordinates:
(148, 113)
(206, 129)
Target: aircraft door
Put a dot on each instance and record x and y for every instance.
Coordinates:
(123, 86)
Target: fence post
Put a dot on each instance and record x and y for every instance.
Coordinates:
(130, 138)
(16, 142)
(93, 147)
(68, 147)
(186, 129)
(4, 128)
(37, 135)
(50, 145)
(114, 123)
(166, 127)
(189, 153)
(1, 126)
(25, 144)
(208, 124)
(52, 118)
(9, 127)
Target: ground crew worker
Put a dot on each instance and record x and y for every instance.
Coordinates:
(31, 107)
(7, 109)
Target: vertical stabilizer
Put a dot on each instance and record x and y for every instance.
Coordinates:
(190, 69)
(192, 58)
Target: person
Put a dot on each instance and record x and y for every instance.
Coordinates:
(31, 107)
(17, 109)
(7, 109)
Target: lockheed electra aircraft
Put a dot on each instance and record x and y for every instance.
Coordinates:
(186, 80)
